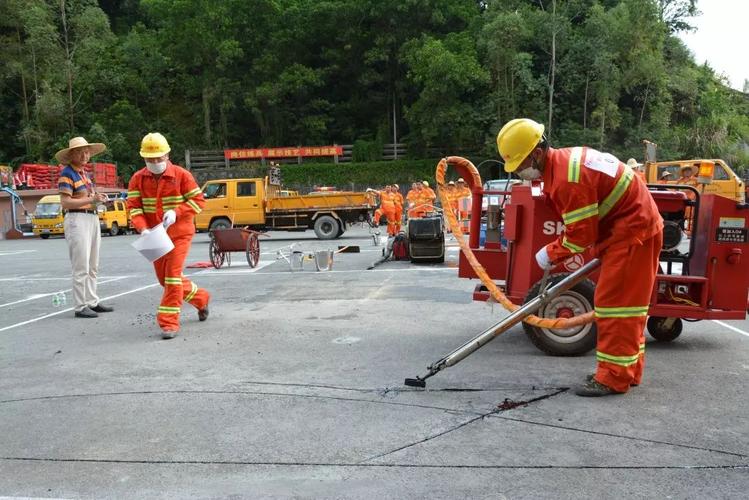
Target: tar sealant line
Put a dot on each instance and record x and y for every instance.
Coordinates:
(57, 313)
(59, 278)
(737, 330)
(42, 295)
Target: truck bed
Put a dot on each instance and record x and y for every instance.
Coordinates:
(315, 201)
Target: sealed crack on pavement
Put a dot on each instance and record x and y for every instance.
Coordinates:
(460, 426)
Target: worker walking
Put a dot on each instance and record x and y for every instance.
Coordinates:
(165, 193)
(387, 208)
(604, 205)
(399, 201)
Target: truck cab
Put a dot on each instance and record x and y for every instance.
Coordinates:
(232, 202)
(48, 217)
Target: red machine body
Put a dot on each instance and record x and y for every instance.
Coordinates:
(709, 281)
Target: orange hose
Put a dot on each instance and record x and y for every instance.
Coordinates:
(472, 177)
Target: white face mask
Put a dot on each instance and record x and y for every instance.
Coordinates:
(156, 168)
(531, 173)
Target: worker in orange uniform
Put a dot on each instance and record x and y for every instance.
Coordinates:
(604, 205)
(463, 196)
(165, 193)
(387, 208)
(687, 178)
(415, 209)
(428, 197)
(399, 201)
(451, 193)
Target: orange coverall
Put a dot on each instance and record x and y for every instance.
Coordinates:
(414, 197)
(398, 199)
(147, 200)
(387, 207)
(605, 205)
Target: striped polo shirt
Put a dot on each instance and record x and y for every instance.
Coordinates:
(76, 185)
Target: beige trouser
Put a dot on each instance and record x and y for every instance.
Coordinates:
(84, 238)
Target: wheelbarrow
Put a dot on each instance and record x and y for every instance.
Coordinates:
(225, 241)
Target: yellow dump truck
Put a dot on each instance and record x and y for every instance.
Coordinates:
(725, 182)
(48, 217)
(261, 205)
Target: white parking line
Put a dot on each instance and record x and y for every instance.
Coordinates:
(737, 330)
(218, 272)
(15, 252)
(42, 295)
(56, 313)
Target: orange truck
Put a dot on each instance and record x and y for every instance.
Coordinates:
(261, 205)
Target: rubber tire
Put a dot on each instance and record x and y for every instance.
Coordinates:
(215, 255)
(114, 230)
(44, 236)
(220, 223)
(583, 291)
(253, 250)
(326, 227)
(659, 333)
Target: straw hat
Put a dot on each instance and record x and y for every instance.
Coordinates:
(665, 174)
(63, 156)
(633, 164)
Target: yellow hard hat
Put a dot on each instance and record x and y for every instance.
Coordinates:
(517, 139)
(426, 184)
(154, 145)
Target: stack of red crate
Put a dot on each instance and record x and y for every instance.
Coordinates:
(40, 176)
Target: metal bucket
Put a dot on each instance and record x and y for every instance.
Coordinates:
(324, 260)
(295, 261)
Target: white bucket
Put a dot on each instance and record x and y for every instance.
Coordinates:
(155, 244)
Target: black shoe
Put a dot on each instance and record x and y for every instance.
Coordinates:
(86, 312)
(101, 308)
(203, 313)
(590, 378)
(594, 389)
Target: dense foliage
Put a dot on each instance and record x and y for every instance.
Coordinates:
(446, 74)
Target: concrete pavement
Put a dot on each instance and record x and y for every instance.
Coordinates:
(294, 388)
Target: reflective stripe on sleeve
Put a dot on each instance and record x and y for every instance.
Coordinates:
(571, 246)
(580, 214)
(194, 206)
(192, 194)
(133, 194)
(136, 211)
(619, 189)
(573, 168)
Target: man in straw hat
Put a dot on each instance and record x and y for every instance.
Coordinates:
(81, 224)
(165, 193)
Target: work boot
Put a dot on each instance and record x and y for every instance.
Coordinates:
(593, 375)
(86, 312)
(102, 308)
(168, 334)
(594, 389)
(203, 313)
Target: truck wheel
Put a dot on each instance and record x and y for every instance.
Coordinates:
(326, 227)
(44, 236)
(114, 230)
(575, 301)
(221, 223)
(664, 329)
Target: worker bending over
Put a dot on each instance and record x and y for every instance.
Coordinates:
(165, 193)
(604, 205)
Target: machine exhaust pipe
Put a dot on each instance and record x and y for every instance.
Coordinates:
(514, 318)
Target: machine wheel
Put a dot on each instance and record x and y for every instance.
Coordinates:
(44, 236)
(664, 329)
(575, 301)
(114, 230)
(253, 250)
(326, 227)
(215, 255)
(221, 223)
